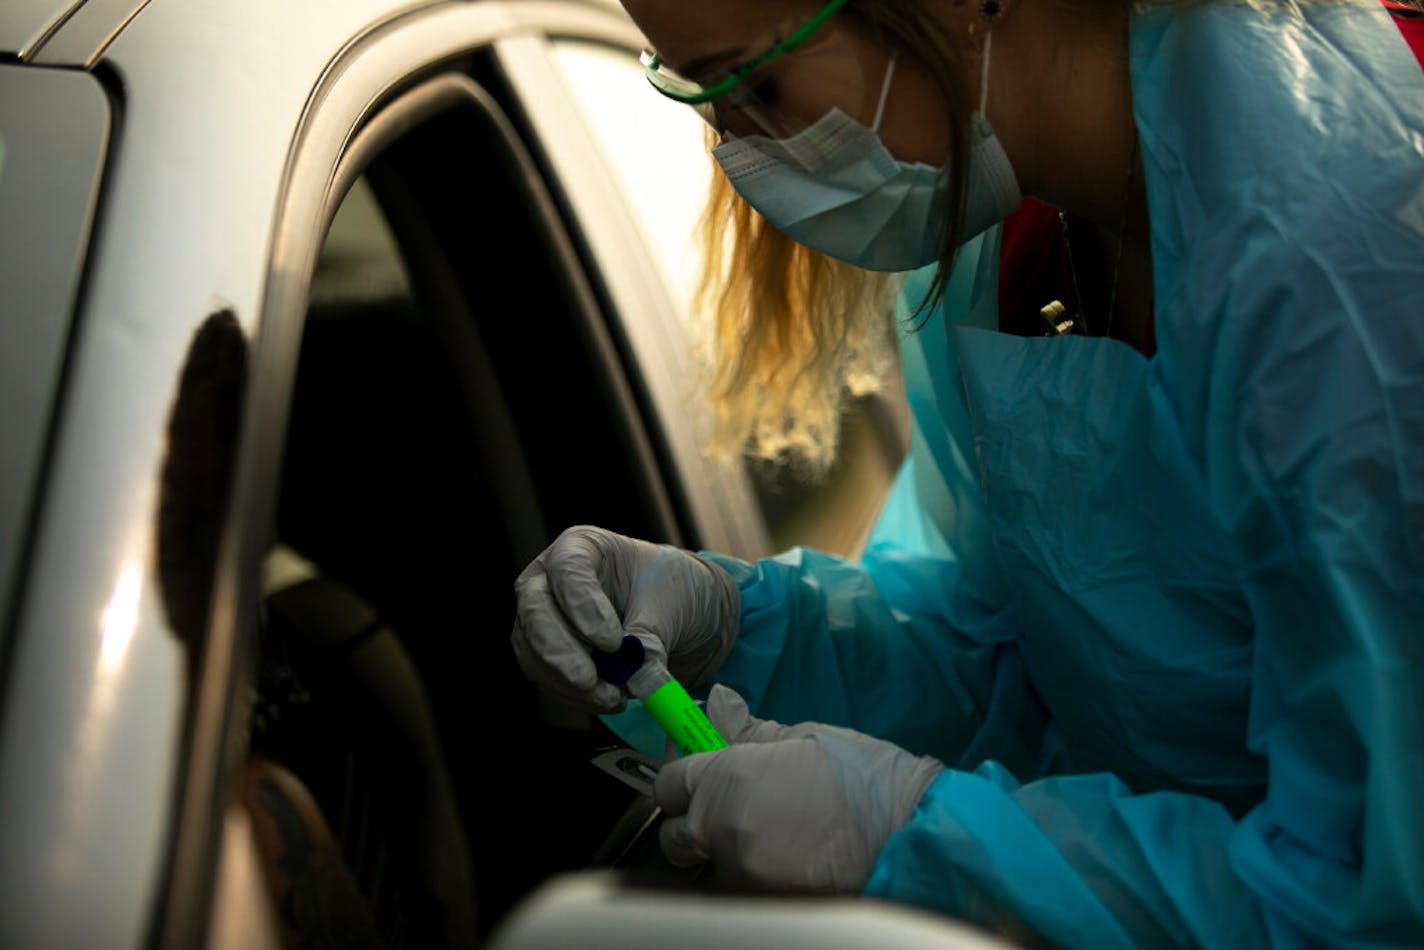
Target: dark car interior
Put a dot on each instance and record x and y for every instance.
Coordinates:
(460, 398)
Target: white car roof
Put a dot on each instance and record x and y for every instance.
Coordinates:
(73, 32)
(23, 23)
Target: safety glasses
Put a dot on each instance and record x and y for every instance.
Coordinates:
(689, 90)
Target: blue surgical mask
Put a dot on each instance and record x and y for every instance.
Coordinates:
(835, 188)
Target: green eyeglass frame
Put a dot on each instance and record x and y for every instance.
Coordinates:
(687, 92)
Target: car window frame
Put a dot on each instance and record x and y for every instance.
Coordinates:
(372, 72)
(835, 512)
(357, 85)
(721, 513)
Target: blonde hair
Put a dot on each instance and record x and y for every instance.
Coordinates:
(790, 334)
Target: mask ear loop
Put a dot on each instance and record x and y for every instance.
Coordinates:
(990, 10)
(884, 92)
(984, 76)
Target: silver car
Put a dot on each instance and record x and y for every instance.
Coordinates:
(318, 320)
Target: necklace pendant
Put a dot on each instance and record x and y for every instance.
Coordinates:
(1060, 322)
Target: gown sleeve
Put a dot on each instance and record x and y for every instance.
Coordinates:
(1310, 428)
(916, 642)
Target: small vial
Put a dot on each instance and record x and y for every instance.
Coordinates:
(664, 697)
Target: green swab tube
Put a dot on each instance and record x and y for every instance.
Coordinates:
(669, 704)
(664, 698)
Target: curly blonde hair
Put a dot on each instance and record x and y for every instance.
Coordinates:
(789, 336)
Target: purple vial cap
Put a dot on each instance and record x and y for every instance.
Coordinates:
(618, 666)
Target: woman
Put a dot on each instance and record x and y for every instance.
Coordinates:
(1134, 655)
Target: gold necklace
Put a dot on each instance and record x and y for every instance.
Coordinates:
(1055, 314)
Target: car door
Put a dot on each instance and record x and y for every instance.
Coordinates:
(228, 402)
(417, 428)
(445, 422)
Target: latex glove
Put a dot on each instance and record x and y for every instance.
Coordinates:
(805, 807)
(591, 585)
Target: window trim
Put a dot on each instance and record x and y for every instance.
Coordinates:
(718, 508)
(360, 82)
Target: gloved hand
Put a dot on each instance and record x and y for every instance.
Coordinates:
(591, 585)
(804, 807)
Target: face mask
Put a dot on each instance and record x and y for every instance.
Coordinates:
(835, 188)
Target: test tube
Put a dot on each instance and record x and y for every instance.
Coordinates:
(663, 696)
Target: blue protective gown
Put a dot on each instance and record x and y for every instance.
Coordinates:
(1164, 618)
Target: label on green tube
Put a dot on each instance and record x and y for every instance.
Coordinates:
(683, 720)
